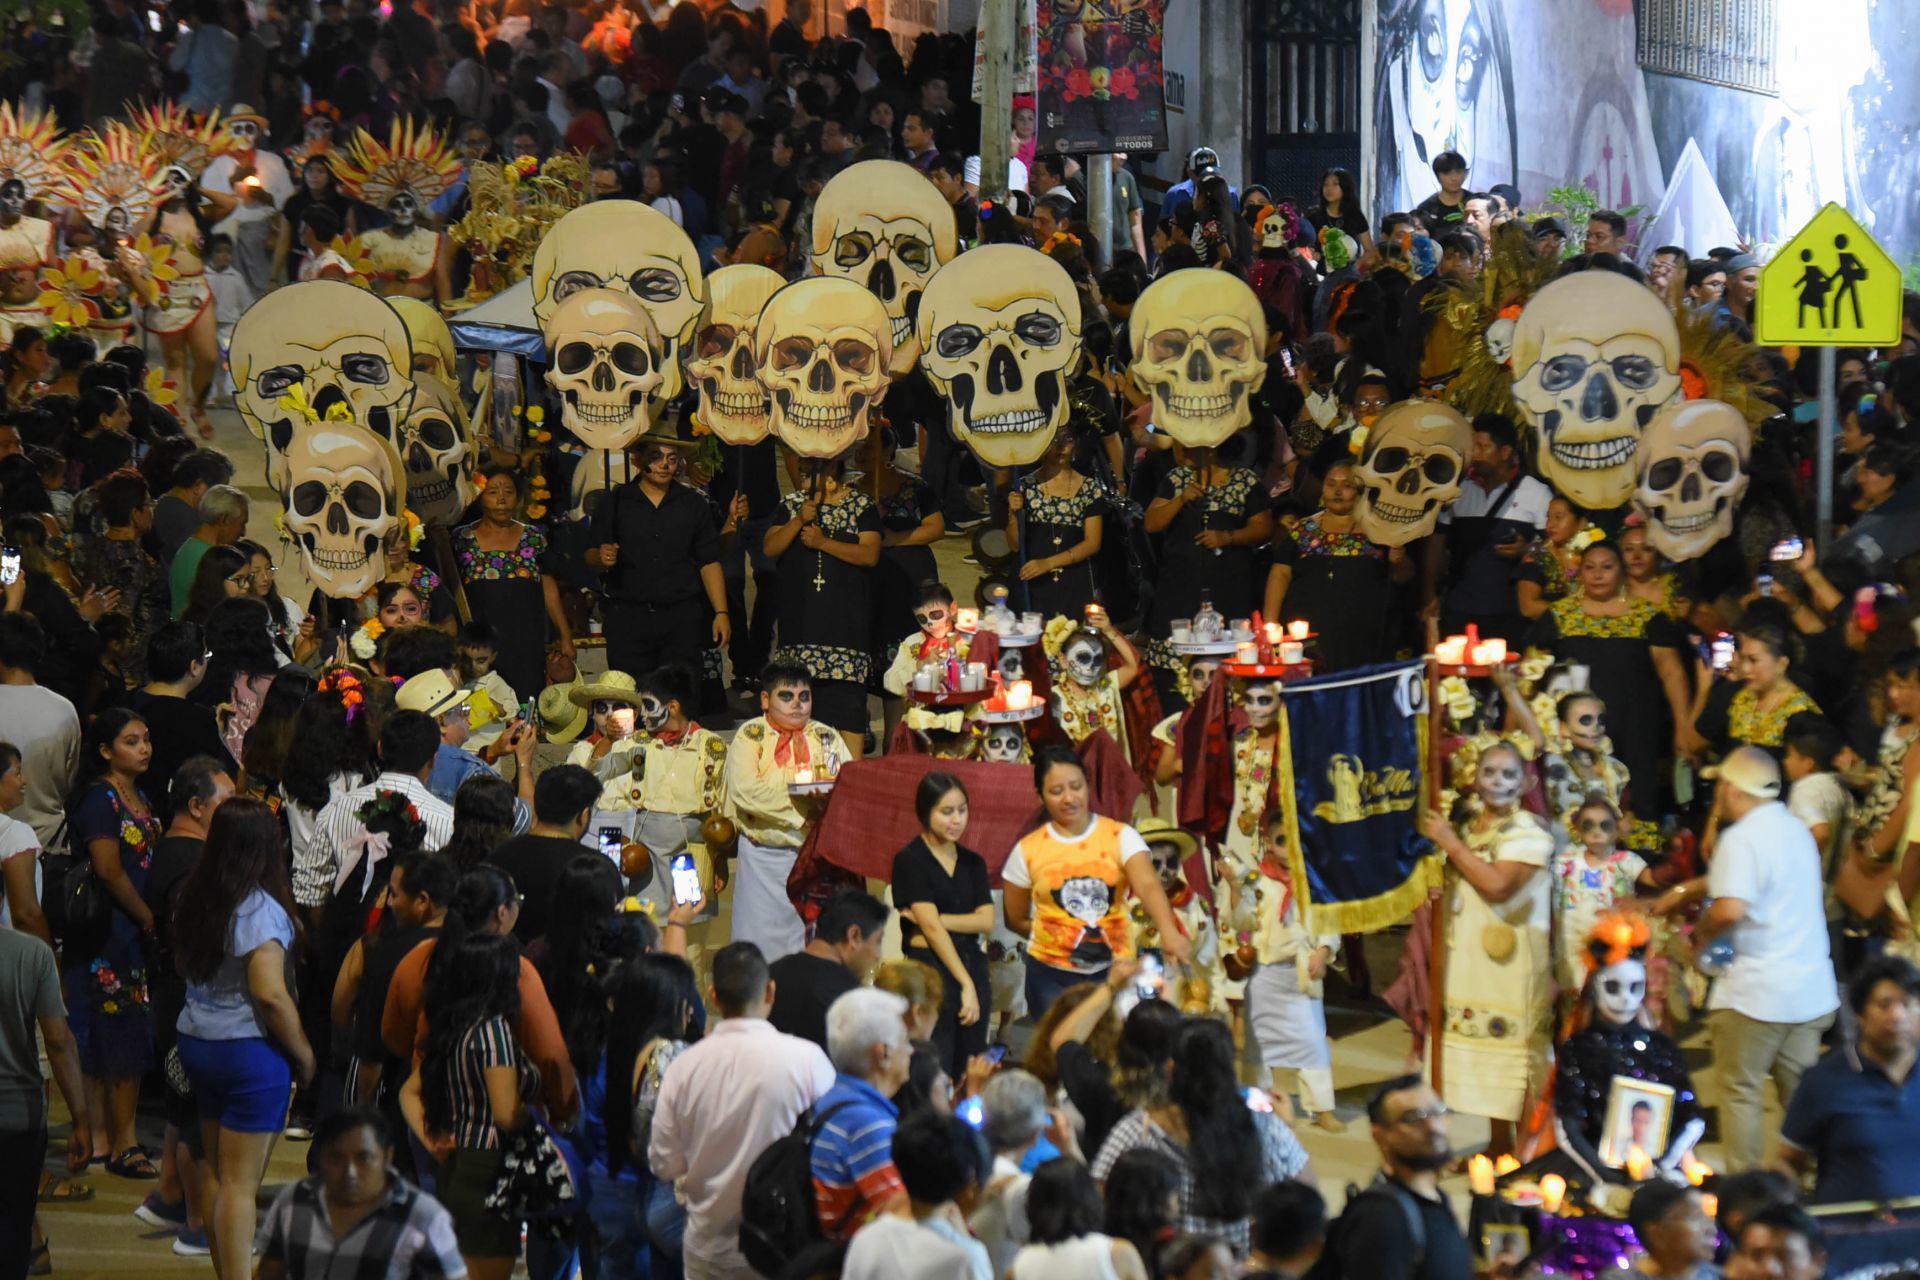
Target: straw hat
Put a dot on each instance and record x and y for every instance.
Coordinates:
(562, 720)
(433, 692)
(614, 686)
(243, 111)
(1160, 831)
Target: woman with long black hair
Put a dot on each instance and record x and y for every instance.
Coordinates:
(471, 1087)
(654, 1000)
(1228, 1152)
(221, 575)
(241, 669)
(483, 816)
(267, 744)
(240, 1036)
(335, 756)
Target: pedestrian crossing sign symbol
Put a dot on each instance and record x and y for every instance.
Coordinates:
(1829, 286)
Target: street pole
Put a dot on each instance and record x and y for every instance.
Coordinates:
(1100, 204)
(999, 24)
(1824, 474)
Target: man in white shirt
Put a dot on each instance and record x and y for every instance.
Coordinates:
(1775, 998)
(943, 1163)
(409, 741)
(725, 1100)
(41, 723)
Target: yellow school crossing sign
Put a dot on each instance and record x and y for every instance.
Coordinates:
(1829, 286)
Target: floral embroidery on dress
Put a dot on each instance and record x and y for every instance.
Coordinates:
(1052, 508)
(829, 662)
(900, 510)
(1576, 623)
(1313, 540)
(1747, 723)
(1228, 497)
(1546, 565)
(118, 994)
(839, 519)
(137, 833)
(478, 564)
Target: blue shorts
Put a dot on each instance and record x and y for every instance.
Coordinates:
(243, 1085)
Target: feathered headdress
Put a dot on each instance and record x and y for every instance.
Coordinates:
(413, 159)
(111, 170)
(1470, 344)
(174, 136)
(32, 152)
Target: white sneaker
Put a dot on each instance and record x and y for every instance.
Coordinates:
(196, 1247)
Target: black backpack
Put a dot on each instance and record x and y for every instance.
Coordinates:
(777, 1215)
(1329, 1265)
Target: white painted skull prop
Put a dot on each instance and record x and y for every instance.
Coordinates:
(1272, 228)
(1003, 744)
(1084, 658)
(883, 225)
(341, 345)
(1692, 473)
(823, 349)
(1000, 326)
(437, 455)
(1619, 991)
(433, 351)
(606, 366)
(342, 501)
(1595, 354)
(721, 362)
(1260, 700)
(623, 244)
(1199, 353)
(1413, 463)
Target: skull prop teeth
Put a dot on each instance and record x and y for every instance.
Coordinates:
(1199, 352)
(1594, 355)
(823, 349)
(1001, 330)
(342, 501)
(435, 451)
(721, 362)
(623, 244)
(338, 344)
(607, 366)
(881, 224)
(1692, 471)
(1415, 457)
(1273, 229)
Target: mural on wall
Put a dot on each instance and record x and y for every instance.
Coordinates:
(1443, 82)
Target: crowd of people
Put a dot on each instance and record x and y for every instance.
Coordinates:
(546, 971)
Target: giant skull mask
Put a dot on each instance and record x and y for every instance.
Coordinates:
(342, 500)
(1415, 457)
(607, 357)
(623, 244)
(721, 362)
(1199, 352)
(1001, 330)
(342, 345)
(883, 225)
(1594, 355)
(435, 451)
(432, 341)
(1692, 471)
(823, 349)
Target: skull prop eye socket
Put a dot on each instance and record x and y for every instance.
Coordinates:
(1001, 328)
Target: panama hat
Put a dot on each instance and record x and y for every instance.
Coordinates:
(1160, 831)
(614, 686)
(433, 692)
(562, 720)
(242, 111)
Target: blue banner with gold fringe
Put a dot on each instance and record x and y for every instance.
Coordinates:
(1352, 788)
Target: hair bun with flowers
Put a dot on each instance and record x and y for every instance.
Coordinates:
(1616, 937)
(342, 682)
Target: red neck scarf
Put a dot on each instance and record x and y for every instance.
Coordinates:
(1277, 871)
(790, 746)
(931, 645)
(671, 737)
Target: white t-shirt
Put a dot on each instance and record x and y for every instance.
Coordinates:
(1016, 173)
(1015, 872)
(1782, 970)
(1528, 505)
(17, 837)
(895, 1248)
(1822, 798)
(46, 729)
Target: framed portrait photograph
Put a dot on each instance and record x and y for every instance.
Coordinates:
(1639, 1114)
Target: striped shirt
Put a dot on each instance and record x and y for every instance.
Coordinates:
(488, 1043)
(407, 1236)
(852, 1163)
(339, 825)
(1281, 1155)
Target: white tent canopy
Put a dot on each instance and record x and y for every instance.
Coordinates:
(1692, 214)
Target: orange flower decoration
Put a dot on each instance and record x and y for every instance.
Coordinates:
(1693, 384)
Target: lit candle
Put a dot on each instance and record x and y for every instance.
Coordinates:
(802, 777)
(1273, 633)
(1553, 1190)
(1696, 1170)
(1505, 1165)
(1480, 1175)
(1298, 629)
(1710, 1205)
(1451, 652)
(1495, 649)
(1638, 1164)
(967, 619)
(1020, 695)
(1246, 652)
(1292, 652)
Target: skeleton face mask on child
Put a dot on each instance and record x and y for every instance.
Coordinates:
(1200, 674)
(1620, 991)
(1501, 779)
(935, 618)
(1085, 659)
(1261, 702)
(1002, 744)
(1166, 865)
(1585, 723)
(788, 706)
(653, 713)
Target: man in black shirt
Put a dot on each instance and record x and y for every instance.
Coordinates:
(1446, 209)
(655, 543)
(178, 727)
(1401, 1227)
(563, 802)
(844, 950)
(750, 472)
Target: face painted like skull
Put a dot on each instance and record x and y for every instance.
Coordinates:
(1594, 355)
(1084, 658)
(13, 198)
(177, 180)
(1412, 466)
(1500, 778)
(881, 224)
(1261, 702)
(721, 363)
(404, 211)
(244, 132)
(623, 244)
(653, 713)
(823, 349)
(1166, 865)
(342, 501)
(606, 367)
(339, 344)
(1200, 673)
(434, 449)
(1199, 353)
(1620, 991)
(1003, 744)
(1001, 330)
(1692, 471)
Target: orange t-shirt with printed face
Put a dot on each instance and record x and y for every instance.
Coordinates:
(1079, 898)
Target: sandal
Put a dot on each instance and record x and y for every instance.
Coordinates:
(133, 1163)
(202, 422)
(57, 1190)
